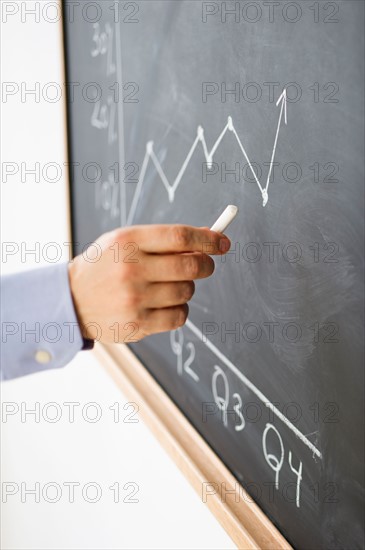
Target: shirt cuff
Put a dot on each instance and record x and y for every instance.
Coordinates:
(40, 329)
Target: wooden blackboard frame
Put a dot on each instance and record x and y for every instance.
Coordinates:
(244, 521)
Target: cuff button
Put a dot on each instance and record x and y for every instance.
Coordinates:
(43, 357)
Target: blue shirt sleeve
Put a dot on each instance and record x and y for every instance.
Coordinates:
(39, 326)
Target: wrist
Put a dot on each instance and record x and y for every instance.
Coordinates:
(72, 276)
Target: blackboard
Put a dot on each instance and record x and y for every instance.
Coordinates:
(178, 108)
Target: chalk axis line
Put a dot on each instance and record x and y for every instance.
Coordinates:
(252, 387)
(171, 189)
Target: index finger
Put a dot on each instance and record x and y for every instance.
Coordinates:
(161, 238)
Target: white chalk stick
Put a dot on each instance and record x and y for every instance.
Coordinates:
(225, 219)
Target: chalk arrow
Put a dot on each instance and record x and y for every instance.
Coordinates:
(282, 99)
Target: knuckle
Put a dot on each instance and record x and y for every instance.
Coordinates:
(144, 329)
(191, 267)
(181, 236)
(180, 317)
(209, 262)
(140, 318)
(123, 235)
(129, 298)
(132, 300)
(127, 272)
(188, 290)
(116, 234)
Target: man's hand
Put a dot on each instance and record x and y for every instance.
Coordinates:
(136, 281)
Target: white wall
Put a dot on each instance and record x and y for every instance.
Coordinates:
(168, 513)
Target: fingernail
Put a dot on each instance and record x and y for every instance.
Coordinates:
(224, 245)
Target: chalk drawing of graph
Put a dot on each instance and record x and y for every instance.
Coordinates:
(150, 154)
(209, 155)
